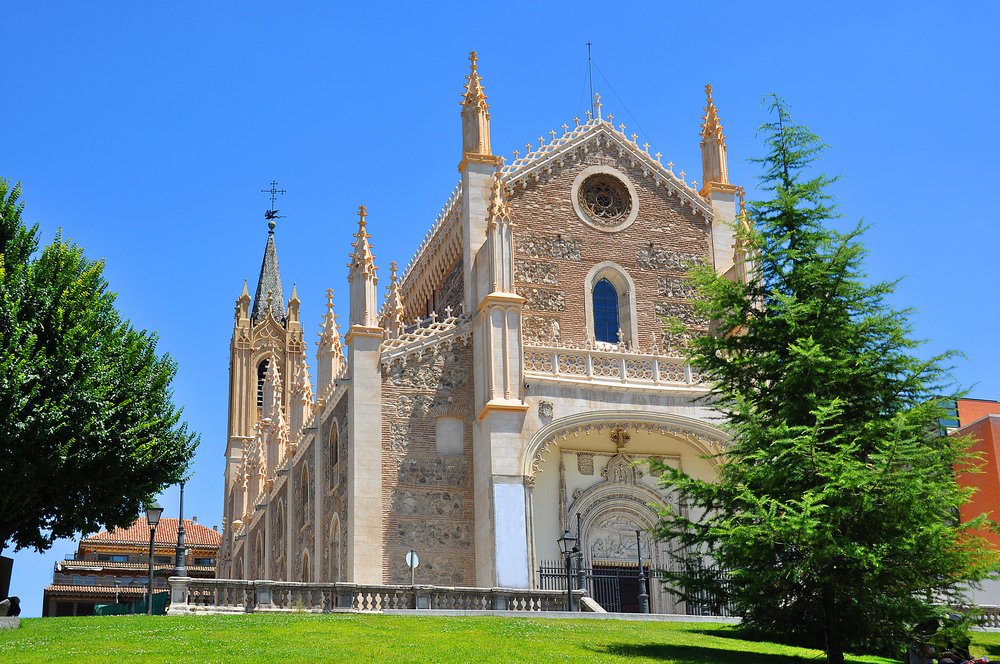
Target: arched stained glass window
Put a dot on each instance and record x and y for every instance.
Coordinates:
(606, 322)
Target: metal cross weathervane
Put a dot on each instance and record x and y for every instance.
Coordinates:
(272, 214)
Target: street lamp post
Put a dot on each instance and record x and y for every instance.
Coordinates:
(180, 567)
(153, 513)
(567, 546)
(643, 595)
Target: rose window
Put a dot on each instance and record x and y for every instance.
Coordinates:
(605, 199)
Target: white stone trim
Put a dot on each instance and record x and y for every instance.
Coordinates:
(615, 173)
(621, 281)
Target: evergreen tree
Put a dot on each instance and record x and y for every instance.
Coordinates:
(88, 430)
(834, 513)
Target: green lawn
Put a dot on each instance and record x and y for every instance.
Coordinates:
(376, 638)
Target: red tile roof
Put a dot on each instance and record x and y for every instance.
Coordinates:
(195, 534)
(98, 590)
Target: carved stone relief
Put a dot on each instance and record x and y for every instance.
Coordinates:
(544, 299)
(541, 330)
(535, 272)
(560, 246)
(650, 258)
(585, 463)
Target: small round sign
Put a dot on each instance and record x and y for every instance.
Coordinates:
(412, 560)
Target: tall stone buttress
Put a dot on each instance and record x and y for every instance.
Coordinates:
(263, 332)
(364, 406)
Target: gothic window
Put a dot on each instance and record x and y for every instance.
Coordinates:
(610, 305)
(335, 549)
(305, 495)
(261, 372)
(334, 451)
(606, 322)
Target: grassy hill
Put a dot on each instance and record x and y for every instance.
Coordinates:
(371, 638)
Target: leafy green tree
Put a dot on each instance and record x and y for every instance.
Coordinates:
(835, 508)
(88, 430)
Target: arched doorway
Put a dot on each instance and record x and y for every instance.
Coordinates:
(588, 473)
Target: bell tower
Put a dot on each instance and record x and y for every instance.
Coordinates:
(265, 332)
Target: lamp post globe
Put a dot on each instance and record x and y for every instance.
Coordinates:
(153, 513)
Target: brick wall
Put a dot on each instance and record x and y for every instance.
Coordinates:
(555, 249)
(427, 498)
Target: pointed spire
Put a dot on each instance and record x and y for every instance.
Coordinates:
(330, 353)
(269, 297)
(474, 94)
(714, 162)
(362, 258)
(293, 304)
(475, 116)
(394, 304)
(243, 303)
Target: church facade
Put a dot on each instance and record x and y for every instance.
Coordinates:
(516, 375)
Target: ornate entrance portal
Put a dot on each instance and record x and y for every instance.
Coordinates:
(597, 483)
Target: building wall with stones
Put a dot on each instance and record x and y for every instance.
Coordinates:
(555, 250)
(427, 483)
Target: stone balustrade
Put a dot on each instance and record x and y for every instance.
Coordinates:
(607, 366)
(189, 595)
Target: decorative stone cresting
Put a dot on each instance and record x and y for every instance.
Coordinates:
(427, 336)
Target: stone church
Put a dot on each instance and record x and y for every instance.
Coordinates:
(508, 388)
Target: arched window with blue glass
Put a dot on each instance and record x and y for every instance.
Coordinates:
(610, 305)
(606, 319)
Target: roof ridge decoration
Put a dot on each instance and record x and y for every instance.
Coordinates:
(474, 94)
(540, 158)
(362, 258)
(426, 335)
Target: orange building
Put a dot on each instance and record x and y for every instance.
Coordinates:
(110, 567)
(980, 419)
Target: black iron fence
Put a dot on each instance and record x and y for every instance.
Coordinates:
(616, 588)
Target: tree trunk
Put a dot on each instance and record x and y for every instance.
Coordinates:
(834, 645)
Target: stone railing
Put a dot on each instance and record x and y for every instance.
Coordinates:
(607, 366)
(188, 595)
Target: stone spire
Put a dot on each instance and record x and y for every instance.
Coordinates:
(293, 304)
(499, 242)
(243, 303)
(330, 353)
(394, 319)
(714, 163)
(300, 410)
(273, 429)
(269, 296)
(363, 276)
(475, 116)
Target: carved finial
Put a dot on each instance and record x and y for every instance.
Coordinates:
(741, 192)
(527, 148)
(694, 184)
(474, 94)
(552, 133)
(541, 142)
(634, 136)
(658, 155)
(597, 103)
(394, 303)
(645, 146)
(516, 155)
(565, 127)
(362, 257)
(447, 311)
(620, 437)
(682, 176)
(621, 127)
(711, 127)
(611, 119)
(576, 121)
(434, 316)
(589, 116)
(670, 165)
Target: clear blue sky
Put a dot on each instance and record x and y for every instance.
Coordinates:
(145, 131)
